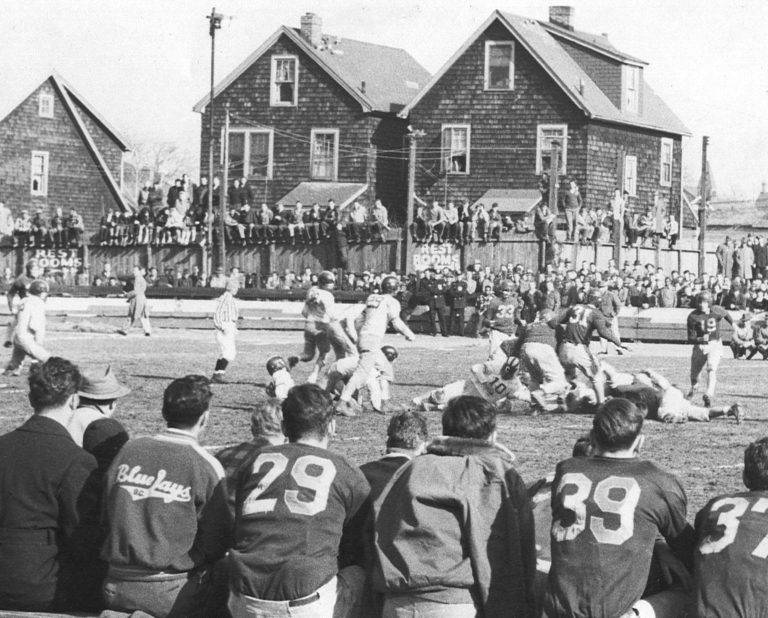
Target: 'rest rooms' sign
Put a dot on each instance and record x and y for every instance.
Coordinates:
(58, 258)
(436, 256)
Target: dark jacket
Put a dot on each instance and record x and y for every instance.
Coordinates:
(49, 516)
(470, 507)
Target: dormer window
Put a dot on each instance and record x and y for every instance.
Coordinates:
(630, 89)
(285, 80)
(499, 65)
(45, 105)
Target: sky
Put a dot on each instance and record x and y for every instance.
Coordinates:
(144, 64)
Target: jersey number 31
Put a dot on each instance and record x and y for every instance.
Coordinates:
(309, 472)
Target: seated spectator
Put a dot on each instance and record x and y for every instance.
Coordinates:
(379, 221)
(162, 235)
(264, 231)
(50, 501)
(280, 229)
(743, 338)
(286, 551)
(494, 225)
(76, 229)
(654, 506)
(316, 224)
(296, 225)
(39, 229)
(584, 226)
(273, 281)
(730, 575)
(357, 229)
(161, 547)
(471, 509)
(22, 230)
(419, 226)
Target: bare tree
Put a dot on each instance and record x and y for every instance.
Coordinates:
(150, 161)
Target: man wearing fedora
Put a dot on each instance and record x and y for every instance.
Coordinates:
(98, 393)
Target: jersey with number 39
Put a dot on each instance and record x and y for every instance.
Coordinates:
(606, 516)
(292, 503)
(732, 556)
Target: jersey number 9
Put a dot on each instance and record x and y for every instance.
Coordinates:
(309, 472)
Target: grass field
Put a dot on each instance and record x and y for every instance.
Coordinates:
(705, 456)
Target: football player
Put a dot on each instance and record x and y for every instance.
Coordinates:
(732, 545)
(380, 311)
(608, 512)
(501, 319)
(293, 503)
(494, 380)
(280, 381)
(378, 383)
(577, 325)
(704, 334)
(322, 329)
(17, 292)
(29, 328)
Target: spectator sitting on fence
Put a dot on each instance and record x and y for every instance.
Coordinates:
(22, 229)
(494, 223)
(357, 228)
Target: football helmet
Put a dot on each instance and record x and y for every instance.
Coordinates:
(276, 363)
(38, 287)
(326, 278)
(390, 285)
(390, 352)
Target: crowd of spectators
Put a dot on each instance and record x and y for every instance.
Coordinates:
(61, 231)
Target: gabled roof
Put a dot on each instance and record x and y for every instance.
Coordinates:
(596, 42)
(392, 77)
(570, 76)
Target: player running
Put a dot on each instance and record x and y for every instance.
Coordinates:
(29, 329)
(608, 512)
(17, 292)
(501, 319)
(378, 384)
(322, 328)
(380, 311)
(732, 545)
(704, 334)
(577, 325)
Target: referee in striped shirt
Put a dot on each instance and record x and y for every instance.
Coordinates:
(225, 323)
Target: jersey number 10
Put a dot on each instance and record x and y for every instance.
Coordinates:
(577, 503)
(309, 472)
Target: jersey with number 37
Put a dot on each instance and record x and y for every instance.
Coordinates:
(732, 556)
(606, 516)
(292, 503)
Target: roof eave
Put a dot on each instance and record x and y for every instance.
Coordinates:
(626, 59)
(643, 125)
(364, 102)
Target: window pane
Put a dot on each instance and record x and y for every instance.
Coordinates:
(236, 154)
(499, 61)
(286, 70)
(323, 156)
(259, 155)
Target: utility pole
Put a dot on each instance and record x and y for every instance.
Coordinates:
(214, 20)
(224, 196)
(413, 137)
(704, 190)
(618, 233)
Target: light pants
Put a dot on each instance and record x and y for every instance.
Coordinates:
(614, 330)
(225, 338)
(23, 347)
(545, 372)
(367, 365)
(579, 358)
(343, 369)
(706, 355)
(339, 598)
(675, 408)
(416, 607)
(495, 339)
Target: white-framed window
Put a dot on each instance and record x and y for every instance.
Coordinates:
(455, 148)
(630, 175)
(39, 173)
(499, 65)
(324, 154)
(45, 105)
(546, 135)
(285, 80)
(665, 171)
(630, 89)
(250, 153)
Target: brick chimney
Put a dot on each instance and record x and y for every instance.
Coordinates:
(562, 16)
(312, 29)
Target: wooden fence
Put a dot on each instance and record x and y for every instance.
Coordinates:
(375, 257)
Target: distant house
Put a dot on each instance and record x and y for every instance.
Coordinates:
(737, 218)
(492, 113)
(56, 150)
(316, 115)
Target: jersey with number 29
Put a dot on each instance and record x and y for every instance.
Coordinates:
(606, 516)
(732, 556)
(292, 503)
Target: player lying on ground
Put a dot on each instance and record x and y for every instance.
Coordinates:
(323, 329)
(653, 394)
(378, 383)
(495, 381)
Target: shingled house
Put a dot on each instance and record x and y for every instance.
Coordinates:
(56, 150)
(492, 112)
(314, 116)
